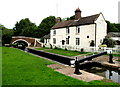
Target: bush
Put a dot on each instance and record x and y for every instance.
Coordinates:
(92, 43)
(65, 48)
(109, 42)
(51, 46)
(82, 49)
(55, 47)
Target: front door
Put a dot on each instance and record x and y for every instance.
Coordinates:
(63, 42)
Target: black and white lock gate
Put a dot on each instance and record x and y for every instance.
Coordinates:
(76, 61)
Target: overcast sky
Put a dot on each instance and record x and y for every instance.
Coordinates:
(36, 10)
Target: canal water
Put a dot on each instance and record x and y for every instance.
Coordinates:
(106, 72)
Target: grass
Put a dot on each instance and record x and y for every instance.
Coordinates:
(118, 60)
(43, 48)
(20, 68)
(116, 55)
(69, 53)
(62, 51)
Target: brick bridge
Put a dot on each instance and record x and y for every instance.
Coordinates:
(28, 41)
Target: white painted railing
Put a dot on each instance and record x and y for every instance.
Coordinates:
(87, 49)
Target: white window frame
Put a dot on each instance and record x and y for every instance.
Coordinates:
(54, 40)
(77, 41)
(77, 29)
(67, 30)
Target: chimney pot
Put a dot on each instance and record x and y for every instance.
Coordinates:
(77, 14)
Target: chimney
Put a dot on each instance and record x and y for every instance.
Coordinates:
(58, 19)
(77, 14)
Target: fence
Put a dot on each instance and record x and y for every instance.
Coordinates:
(89, 49)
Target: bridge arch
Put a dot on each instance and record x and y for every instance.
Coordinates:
(21, 40)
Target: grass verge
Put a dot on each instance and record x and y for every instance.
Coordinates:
(69, 53)
(62, 51)
(20, 68)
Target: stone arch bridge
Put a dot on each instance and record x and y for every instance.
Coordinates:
(27, 41)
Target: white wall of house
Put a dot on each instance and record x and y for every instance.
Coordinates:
(101, 29)
(85, 31)
(47, 42)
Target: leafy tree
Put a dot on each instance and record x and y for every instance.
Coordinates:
(25, 28)
(117, 26)
(109, 42)
(6, 34)
(111, 27)
(45, 26)
(72, 17)
(69, 18)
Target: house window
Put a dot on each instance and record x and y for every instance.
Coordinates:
(87, 36)
(67, 40)
(54, 32)
(54, 40)
(77, 29)
(77, 41)
(67, 30)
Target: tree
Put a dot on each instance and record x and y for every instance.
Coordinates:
(109, 42)
(26, 28)
(6, 34)
(46, 24)
(111, 27)
(72, 17)
(117, 26)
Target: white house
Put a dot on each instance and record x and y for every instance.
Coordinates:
(79, 33)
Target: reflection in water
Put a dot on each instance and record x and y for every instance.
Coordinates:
(108, 73)
(113, 75)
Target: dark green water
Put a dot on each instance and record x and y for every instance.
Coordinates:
(108, 73)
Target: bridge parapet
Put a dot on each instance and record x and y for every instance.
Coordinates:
(31, 42)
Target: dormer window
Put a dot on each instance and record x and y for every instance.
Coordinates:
(67, 30)
(54, 32)
(77, 29)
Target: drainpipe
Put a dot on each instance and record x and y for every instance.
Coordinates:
(95, 33)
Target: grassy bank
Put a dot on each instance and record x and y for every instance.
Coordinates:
(62, 51)
(20, 68)
(69, 53)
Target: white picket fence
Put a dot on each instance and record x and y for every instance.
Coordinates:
(90, 49)
(115, 50)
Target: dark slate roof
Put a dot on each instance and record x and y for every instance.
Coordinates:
(81, 21)
(47, 36)
(114, 34)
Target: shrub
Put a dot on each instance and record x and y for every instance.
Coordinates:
(92, 43)
(109, 42)
(65, 48)
(82, 49)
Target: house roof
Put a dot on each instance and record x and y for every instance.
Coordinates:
(114, 34)
(47, 36)
(81, 21)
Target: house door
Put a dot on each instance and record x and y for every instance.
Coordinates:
(63, 42)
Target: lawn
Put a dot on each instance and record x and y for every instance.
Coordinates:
(62, 51)
(118, 60)
(20, 68)
(69, 53)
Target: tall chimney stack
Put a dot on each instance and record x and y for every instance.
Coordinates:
(58, 19)
(77, 14)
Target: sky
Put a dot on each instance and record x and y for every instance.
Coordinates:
(36, 10)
